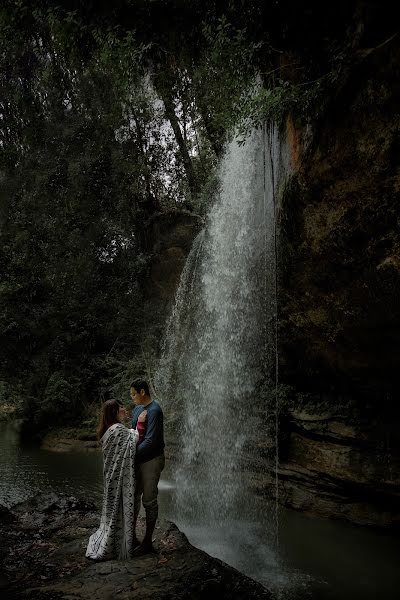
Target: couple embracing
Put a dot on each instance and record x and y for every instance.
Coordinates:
(133, 459)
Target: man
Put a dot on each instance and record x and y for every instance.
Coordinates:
(149, 460)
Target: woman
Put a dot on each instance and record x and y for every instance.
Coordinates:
(115, 537)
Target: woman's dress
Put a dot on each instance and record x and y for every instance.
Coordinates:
(115, 536)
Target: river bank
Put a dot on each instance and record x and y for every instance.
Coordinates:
(70, 439)
(57, 439)
(43, 557)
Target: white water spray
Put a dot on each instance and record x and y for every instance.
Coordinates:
(220, 349)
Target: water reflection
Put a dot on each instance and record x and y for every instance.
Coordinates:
(26, 470)
(318, 559)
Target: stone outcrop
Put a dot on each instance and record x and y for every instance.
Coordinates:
(64, 444)
(331, 467)
(43, 557)
(169, 239)
(72, 439)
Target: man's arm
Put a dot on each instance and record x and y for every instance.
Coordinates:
(153, 432)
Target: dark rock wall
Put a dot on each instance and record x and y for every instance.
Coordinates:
(168, 240)
(341, 281)
(340, 298)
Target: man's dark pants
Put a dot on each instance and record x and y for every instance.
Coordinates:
(146, 488)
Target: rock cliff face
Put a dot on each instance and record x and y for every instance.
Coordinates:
(169, 237)
(340, 300)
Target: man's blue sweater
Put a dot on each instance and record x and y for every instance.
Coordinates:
(153, 443)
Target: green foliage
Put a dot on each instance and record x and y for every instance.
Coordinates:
(60, 398)
(258, 106)
(225, 70)
(76, 193)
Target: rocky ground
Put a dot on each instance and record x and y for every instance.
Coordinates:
(42, 557)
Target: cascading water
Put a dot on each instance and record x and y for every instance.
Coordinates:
(220, 356)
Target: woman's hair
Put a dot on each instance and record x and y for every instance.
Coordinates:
(108, 416)
(140, 384)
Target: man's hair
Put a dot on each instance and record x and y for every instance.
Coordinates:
(140, 384)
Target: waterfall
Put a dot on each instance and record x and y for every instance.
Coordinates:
(218, 371)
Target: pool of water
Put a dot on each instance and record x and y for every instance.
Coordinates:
(321, 559)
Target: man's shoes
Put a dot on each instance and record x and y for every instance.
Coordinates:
(143, 549)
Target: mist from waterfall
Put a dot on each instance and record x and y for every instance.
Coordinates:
(217, 371)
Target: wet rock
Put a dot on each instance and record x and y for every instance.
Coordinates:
(339, 468)
(53, 565)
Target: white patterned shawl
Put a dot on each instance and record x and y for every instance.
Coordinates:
(114, 538)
